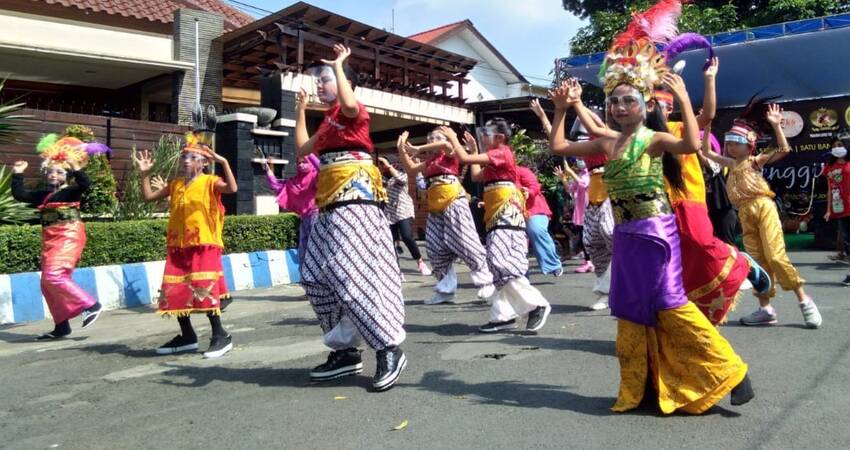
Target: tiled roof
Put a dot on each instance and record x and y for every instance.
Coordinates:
(429, 36)
(158, 10)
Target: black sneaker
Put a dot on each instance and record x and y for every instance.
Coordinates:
(495, 327)
(340, 363)
(759, 277)
(52, 336)
(219, 346)
(537, 318)
(178, 345)
(391, 362)
(846, 281)
(743, 392)
(225, 302)
(90, 315)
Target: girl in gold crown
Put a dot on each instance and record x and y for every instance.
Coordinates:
(194, 278)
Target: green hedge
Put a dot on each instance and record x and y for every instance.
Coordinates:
(144, 240)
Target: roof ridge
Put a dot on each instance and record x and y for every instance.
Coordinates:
(450, 25)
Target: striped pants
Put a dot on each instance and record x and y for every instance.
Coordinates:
(452, 235)
(507, 255)
(350, 270)
(598, 240)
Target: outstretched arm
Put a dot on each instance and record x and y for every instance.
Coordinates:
(227, 185)
(774, 117)
(144, 163)
(709, 102)
(407, 162)
(303, 141)
(541, 115)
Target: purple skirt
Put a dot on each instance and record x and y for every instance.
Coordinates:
(646, 270)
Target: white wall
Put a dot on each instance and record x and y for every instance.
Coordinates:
(38, 32)
(485, 82)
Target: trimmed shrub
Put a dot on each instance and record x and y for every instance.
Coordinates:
(144, 240)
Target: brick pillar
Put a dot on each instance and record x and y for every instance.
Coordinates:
(210, 26)
(235, 141)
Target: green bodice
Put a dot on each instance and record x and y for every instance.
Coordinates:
(635, 181)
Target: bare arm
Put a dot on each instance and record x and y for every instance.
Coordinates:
(345, 93)
(144, 163)
(303, 141)
(227, 185)
(407, 162)
(690, 142)
(464, 156)
(709, 102)
(541, 115)
(774, 116)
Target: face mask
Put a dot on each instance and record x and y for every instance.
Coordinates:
(839, 152)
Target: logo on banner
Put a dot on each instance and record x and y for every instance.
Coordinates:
(792, 124)
(824, 121)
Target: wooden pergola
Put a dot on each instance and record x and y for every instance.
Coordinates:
(301, 34)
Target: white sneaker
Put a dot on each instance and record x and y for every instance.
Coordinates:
(746, 285)
(811, 315)
(761, 316)
(423, 268)
(440, 297)
(601, 304)
(486, 292)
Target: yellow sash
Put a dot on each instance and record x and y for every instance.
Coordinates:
(504, 205)
(441, 195)
(351, 180)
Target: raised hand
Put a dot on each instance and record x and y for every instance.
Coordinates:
(401, 142)
(342, 53)
(448, 133)
(560, 96)
(218, 158)
(301, 100)
(143, 161)
(774, 115)
(383, 162)
(574, 91)
(158, 183)
(713, 66)
(469, 142)
(559, 173)
(20, 166)
(536, 108)
(676, 85)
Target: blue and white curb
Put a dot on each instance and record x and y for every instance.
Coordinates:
(133, 285)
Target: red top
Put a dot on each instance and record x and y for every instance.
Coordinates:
(594, 161)
(535, 204)
(442, 165)
(502, 166)
(838, 176)
(338, 132)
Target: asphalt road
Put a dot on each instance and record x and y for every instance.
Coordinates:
(105, 388)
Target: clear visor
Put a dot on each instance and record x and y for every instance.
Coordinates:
(731, 137)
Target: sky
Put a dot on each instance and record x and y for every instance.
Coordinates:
(529, 33)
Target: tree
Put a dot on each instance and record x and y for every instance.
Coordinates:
(701, 16)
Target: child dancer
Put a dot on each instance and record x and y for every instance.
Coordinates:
(660, 334)
(400, 212)
(504, 219)
(539, 215)
(350, 270)
(194, 277)
(750, 193)
(63, 234)
(450, 230)
(838, 194)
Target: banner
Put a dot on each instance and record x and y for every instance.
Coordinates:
(810, 127)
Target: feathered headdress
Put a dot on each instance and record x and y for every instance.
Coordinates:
(65, 152)
(86, 135)
(752, 123)
(633, 58)
(200, 139)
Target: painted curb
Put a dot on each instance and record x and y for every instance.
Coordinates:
(133, 285)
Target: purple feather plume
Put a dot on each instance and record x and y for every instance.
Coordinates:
(688, 41)
(96, 148)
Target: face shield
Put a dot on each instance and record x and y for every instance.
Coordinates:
(325, 84)
(489, 137)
